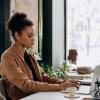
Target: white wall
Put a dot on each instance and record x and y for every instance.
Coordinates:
(58, 32)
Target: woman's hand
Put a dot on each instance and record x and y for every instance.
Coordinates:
(68, 84)
(77, 82)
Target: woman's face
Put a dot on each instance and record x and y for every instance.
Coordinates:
(27, 37)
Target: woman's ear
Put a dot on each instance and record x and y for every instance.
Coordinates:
(17, 36)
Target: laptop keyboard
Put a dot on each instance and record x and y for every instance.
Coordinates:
(83, 89)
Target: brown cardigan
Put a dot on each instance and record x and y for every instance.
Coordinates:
(18, 76)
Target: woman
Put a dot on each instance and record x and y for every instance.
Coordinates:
(20, 70)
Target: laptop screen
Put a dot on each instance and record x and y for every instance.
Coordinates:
(95, 77)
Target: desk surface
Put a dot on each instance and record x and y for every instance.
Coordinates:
(52, 96)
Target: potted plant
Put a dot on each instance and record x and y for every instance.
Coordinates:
(59, 73)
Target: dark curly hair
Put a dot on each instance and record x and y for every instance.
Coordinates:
(18, 22)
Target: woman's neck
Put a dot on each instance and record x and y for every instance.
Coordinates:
(20, 47)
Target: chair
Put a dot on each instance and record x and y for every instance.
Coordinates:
(2, 87)
(2, 90)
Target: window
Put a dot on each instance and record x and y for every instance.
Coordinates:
(33, 8)
(83, 30)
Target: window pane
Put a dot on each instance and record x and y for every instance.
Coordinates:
(83, 30)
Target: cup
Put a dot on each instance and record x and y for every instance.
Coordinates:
(72, 91)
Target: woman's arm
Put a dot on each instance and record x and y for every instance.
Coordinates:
(21, 80)
(46, 78)
(50, 79)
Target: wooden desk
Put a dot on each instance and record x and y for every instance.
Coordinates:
(52, 96)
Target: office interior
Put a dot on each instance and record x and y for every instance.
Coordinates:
(67, 35)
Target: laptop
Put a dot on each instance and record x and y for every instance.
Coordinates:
(84, 86)
(86, 89)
